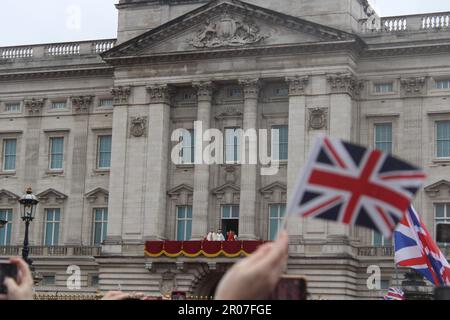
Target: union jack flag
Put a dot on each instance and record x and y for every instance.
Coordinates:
(354, 185)
(395, 294)
(416, 249)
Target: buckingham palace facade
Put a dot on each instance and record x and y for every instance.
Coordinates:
(89, 126)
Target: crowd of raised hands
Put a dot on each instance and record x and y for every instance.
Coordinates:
(254, 277)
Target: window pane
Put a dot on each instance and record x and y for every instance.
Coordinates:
(377, 239)
(56, 153)
(274, 211)
(443, 138)
(232, 145)
(226, 211)
(97, 233)
(235, 212)
(105, 230)
(189, 212)
(181, 212)
(57, 214)
(56, 234)
(9, 154)
(440, 210)
(383, 137)
(104, 150)
(188, 230)
(180, 230)
(48, 234)
(273, 228)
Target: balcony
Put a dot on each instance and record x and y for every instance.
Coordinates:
(55, 50)
(208, 249)
(55, 251)
(388, 251)
(418, 22)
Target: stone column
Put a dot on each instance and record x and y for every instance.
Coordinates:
(117, 172)
(157, 163)
(342, 87)
(200, 207)
(297, 150)
(247, 205)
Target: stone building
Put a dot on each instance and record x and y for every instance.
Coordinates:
(88, 125)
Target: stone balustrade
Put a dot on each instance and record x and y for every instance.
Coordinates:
(417, 22)
(388, 251)
(56, 50)
(45, 251)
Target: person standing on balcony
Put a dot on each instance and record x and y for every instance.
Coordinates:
(220, 236)
(231, 236)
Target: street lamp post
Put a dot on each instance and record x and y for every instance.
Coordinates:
(28, 203)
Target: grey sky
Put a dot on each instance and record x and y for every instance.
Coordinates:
(43, 21)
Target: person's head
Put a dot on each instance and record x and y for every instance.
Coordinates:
(219, 230)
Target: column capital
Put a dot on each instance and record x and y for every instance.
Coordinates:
(344, 83)
(81, 104)
(159, 93)
(205, 90)
(250, 87)
(414, 85)
(297, 85)
(120, 94)
(34, 106)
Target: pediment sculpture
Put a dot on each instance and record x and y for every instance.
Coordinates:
(228, 31)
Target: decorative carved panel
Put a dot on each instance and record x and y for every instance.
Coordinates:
(81, 104)
(318, 118)
(228, 31)
(138, 127)
(34, 106)
(121, 95)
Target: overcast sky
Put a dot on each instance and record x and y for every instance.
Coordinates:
(44, 21)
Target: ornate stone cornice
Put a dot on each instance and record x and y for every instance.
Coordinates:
(250, 87)
(34, 106)
(27, 75)
(159, 93)
(205, 90)
(121, 95)
(345, 83)
(297, 85)
(81, 104)
(414, 85)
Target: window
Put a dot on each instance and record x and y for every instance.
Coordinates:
(276, 216)
(12, 107)
(188, 146)
(104, 152)
(9, 154)
(52, 222)
(443, 84)
(232, 145)
(380, 241)
(280, 142)
(58, 105)
(48, 280)
(106, 103)
(443, 138)
(385, 284)
(384, 87)
(230, 218)
(383, 137)
(442, 214)
(56, 153)
(184, 223)
(100, 225)
(281, 92)
(5, 232)
(94, 280)
(235, 93)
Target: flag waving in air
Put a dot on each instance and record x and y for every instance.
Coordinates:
(395, 294)
(416, 249)
(354, 185)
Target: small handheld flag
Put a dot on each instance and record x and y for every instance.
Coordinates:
(416, 249)
(354, 185)
(395, 294)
